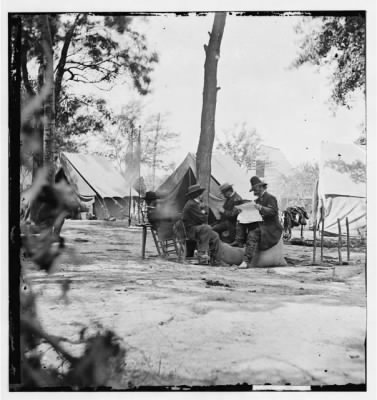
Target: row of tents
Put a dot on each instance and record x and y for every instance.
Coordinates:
(340, 191)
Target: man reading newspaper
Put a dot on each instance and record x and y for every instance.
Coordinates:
(258, 222)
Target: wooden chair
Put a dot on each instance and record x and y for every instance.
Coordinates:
(166, 247)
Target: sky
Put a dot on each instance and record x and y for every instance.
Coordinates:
(288, 107)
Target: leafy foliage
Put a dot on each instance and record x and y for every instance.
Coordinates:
(79, 116)
(338, 42)
(356, 170)
(242, 144)
(87, 48)
(362, 139)
(301, 183)
(102, 361)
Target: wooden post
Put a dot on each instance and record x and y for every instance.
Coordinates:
(322, 230)
(314, 241)
(129, 208)
(143, 241)
(139, 170)
(339, 243)
(348, 240)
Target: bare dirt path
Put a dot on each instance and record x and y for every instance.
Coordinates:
(197, 325)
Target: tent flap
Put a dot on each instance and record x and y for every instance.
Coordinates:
(341, 188)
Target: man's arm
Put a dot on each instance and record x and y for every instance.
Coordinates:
(232, 211)
(269, 207)
(193, 213)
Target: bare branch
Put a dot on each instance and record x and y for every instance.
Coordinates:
(27, 324)
(63, 57)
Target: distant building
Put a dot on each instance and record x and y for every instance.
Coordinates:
(273, 167)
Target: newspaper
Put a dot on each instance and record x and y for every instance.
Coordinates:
(248, 213)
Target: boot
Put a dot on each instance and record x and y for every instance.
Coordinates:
(203, 258)
(244, 265)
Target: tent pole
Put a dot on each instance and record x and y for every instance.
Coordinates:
(129, 209)
(339, 243)
(348, 240)
(322, 231)
(314, 240)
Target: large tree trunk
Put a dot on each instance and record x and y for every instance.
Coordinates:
(207, 129)
(49, 151)
(38, 129)
(14, 265)
(60, 68)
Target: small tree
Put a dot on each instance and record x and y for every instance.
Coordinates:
(158, 141)
(301, 182)
(242, 144)
(120, 140)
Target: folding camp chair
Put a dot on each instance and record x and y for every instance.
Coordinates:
(175, 245)
(166, 247)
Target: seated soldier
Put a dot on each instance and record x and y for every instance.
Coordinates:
(228, 218)
(160, 217)
(195, 220)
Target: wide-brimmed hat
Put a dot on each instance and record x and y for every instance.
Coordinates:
(194, 190)
(255, 182)
(225, 187)
(150, 196)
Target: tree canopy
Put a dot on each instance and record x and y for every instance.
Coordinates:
(87, 49)
(338, 42)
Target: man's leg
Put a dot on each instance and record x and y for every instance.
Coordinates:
(214, 247)
(208, 241)
(202, 238)
(231, 228)
(240, 235)
(252, 243)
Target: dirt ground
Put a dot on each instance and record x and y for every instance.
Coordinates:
(197, 325)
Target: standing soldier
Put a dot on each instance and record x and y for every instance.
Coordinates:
(262, 235)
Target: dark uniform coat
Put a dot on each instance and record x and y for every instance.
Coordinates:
(271, 228)
(230, 212)
(192, 216)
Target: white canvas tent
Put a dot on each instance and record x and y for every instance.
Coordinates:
(341, 187)
(96, 180)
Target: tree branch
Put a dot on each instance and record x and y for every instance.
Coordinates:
(28, 325)
(63, 58)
